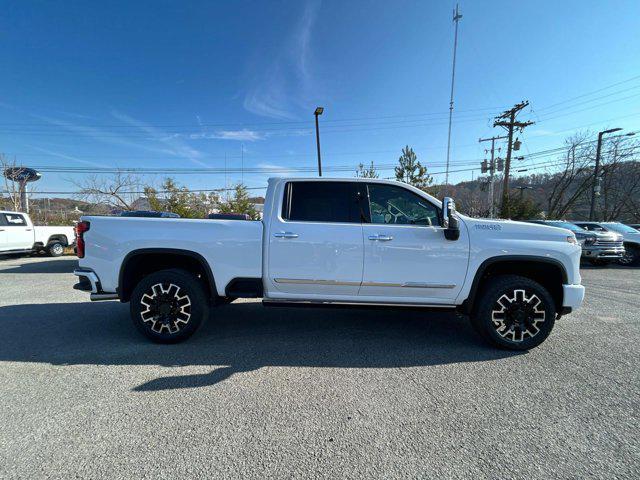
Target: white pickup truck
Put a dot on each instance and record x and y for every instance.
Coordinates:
(19, 235)
(332, 242)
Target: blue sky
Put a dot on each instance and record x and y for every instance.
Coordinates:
(184, 84)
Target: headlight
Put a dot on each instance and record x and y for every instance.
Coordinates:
(572, 239)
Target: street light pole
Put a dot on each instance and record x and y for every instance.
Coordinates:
(318, 112)
(596, 171)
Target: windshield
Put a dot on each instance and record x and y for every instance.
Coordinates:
(567, 225)
(621, 228)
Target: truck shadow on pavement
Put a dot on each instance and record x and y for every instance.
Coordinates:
(62, 265)
(239, 338)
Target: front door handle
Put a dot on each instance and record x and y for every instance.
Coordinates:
(285, 235)
(381, 238)
(28, 229)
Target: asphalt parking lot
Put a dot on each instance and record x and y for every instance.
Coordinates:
(311, 393)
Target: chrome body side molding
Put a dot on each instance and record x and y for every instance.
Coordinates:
(304, 281)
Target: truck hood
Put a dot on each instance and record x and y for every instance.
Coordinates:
(607, 236)
(515, 230)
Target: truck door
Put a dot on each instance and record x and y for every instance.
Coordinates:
(406, 256)
(19, 233)
(315, 241)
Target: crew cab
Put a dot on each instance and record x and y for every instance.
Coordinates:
(19, 235)
(363, 242)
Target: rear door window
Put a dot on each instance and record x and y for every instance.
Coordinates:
(14, 220)
(335, 202)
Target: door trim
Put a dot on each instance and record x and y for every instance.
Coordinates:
(305, 281)
(408, 285)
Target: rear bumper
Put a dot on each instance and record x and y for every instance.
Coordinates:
(573, 295)
(88, 281)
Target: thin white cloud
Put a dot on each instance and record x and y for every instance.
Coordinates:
(274, 169)
(174, 145)
(66, 157)
(243, 135)
(285, 83)
(101, 135)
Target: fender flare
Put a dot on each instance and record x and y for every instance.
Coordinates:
(468, 303)
(166, 251)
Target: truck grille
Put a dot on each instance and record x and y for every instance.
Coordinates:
(608, 243)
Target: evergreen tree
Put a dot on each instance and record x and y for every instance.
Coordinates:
(240, 203)
(411, 171)
(369, 172)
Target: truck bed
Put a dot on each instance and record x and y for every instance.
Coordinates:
(232, 248)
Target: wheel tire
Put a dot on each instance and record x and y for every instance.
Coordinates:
(55, 249)
(631, 256)
(520, 322)
(596, 262)
(169, 306)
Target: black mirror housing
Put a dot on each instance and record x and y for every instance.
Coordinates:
(450, 221)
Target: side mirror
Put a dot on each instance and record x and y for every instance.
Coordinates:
(449, 219)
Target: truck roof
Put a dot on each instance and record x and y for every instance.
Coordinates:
(274, 180)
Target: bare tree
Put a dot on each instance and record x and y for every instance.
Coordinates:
(117, 191)
(11, 187)
(18, 194)
(569, 186)
(620, 179)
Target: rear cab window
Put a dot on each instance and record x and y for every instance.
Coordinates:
(329, 202)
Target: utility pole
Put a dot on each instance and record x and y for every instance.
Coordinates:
(507, 120)
(456, 18)
(492, 170)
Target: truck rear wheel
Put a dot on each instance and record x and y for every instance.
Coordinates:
(168, 306)
(514, 313)
(55, 249)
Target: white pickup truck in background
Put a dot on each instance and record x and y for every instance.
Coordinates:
(332, 242)
(19, 235)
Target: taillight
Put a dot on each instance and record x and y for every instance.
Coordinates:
(81, 227)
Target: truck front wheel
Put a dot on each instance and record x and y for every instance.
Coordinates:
(168, 306)
(514, 312)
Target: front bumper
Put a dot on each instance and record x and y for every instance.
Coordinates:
(88, 281)
(573, 295)
(594, 251)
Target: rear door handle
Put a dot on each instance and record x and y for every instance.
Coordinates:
(381, 238)
(28, 229)
(285, 235)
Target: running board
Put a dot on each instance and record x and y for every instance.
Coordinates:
(98, 297)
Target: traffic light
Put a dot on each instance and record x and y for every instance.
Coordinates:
(484, 166)
(500, 164)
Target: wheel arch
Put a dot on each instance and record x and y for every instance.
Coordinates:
(549, 272)
(58, 237)
(141, 262)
